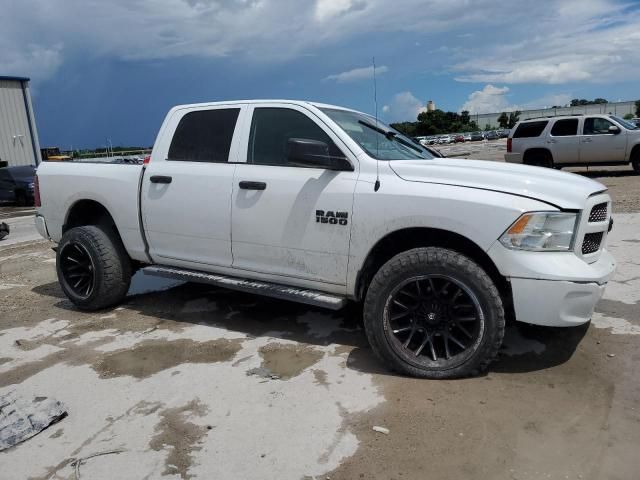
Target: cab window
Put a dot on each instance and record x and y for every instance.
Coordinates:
(596, 126)
(204, 136)
(271, 130)
(565, 128)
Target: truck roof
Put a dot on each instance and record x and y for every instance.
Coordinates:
(235, 102)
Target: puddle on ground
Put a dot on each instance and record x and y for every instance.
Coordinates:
(180, 436)
(153, 356)
(141, 283)
(288, 361)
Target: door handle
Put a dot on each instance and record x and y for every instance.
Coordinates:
(586, 140)
(245, 185)
(160, 179)
(552, 141)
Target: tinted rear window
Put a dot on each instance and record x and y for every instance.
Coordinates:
(530, 129)
(565, 128)
(204, 136)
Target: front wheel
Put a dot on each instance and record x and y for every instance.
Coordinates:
(434, 313)
(93, 267)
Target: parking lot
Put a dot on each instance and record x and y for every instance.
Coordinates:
(191, 381)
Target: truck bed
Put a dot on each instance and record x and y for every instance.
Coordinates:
(114, 185)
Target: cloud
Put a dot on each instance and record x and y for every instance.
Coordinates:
(364, 73)
(495, 99)
(327, 9)
(489, 99)
(404, 106)
(592, 41)
(551, 42)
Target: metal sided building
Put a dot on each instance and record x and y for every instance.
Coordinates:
(18, 135)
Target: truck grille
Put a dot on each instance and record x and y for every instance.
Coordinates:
(598, 213)
(591, 242)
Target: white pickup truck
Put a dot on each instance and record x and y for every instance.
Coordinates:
(320, 204)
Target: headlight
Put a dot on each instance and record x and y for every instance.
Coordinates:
(541, 231)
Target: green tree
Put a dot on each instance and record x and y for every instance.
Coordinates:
(514, 117)
(600, 101)
(503, 120)
(628, 116)
(464, 117)
(637, 108)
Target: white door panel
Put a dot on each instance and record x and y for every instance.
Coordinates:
(277, 231)
(598, 146)
(189, 219)
(299, 224)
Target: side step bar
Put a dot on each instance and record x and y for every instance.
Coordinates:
(300, 295)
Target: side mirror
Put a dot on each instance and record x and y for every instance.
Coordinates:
(614, 129)
(305, 152)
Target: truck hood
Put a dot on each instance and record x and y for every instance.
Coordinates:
(560, 189)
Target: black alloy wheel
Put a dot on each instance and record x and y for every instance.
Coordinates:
(434, 320)
(78, 270)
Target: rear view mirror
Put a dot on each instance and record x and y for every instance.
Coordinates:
(614, 129)
(305, 152)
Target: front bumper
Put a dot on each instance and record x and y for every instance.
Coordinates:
(41, 227)
(556, 289)
(554, 303)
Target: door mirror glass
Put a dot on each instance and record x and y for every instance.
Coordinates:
(614, 129)
(306, 152)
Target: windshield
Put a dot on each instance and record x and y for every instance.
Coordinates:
(626, 124)
(379, 140)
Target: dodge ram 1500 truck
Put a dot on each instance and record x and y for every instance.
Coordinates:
(323, 205)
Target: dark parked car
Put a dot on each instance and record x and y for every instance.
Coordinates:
(477, 136)
(16, 184)
(491, 135)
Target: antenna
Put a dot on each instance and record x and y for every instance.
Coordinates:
(376, 186)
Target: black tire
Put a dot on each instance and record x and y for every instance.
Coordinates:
(96, 255)
(429, 265)
(539, 158)
(635, 160)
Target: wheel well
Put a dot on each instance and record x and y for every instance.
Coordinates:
(635, 151)
(409, 238)
(530, 155)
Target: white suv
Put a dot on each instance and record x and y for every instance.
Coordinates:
(574, 140)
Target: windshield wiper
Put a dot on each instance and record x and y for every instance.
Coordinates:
(390, 135)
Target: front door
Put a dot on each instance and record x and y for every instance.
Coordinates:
(597, 144)
(291, 220)
(186, 193)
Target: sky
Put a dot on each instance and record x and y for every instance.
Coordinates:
(111, 69)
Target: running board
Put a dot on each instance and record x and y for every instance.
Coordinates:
(301, 295)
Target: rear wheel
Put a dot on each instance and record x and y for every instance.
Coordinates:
(434, 313)
(635, 160)
(93, 267)
(539, 158)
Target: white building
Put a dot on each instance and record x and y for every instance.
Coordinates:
(18, 135)
(614, 108)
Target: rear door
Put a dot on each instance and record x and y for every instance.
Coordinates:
(597, 144)
(290, 220)
(186, 191)
(564, 141)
